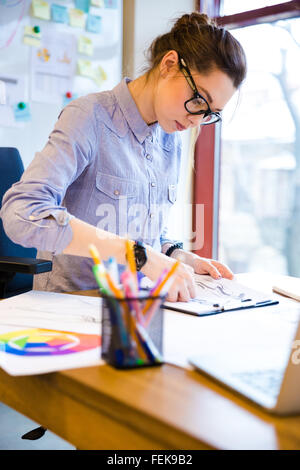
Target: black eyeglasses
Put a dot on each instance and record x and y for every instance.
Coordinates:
(197, 104)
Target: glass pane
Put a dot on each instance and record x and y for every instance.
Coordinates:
(260, 170)
(230, 7)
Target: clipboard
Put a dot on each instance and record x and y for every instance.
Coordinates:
(219, 296)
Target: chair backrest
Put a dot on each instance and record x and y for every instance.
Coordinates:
(11, 169)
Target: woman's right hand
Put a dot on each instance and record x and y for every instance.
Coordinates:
(183, 287)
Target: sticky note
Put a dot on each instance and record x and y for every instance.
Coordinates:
(97, 3)
(83, 5)
(76, 18)
(99, 75)
(85, 45)
(40, 9)
(111, 3)
(93, 24)
(59, 13)
(31, 38)
(22, 112)
(85, 68)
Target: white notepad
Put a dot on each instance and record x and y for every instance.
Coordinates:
(217, 296)
(289, 287)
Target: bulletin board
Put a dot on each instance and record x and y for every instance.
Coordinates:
(52, 52)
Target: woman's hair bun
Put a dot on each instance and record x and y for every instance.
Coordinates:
(203, 45)
(192, 20)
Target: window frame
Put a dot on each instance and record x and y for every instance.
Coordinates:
(207, 155)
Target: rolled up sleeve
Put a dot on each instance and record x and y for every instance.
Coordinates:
(164, 238)
(32, 210)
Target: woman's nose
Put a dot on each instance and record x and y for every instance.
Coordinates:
(195, 119)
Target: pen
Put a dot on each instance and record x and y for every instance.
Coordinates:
(100, 278)
(162, 284)
(131, 260)
(129, 288)
(113, 270)
(158, 281)
(151, 311)
(115, 290)
(95, 254)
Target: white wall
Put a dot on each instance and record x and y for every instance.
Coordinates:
(143, 21)
(15, 60)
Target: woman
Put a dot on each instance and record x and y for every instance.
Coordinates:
(111, 165)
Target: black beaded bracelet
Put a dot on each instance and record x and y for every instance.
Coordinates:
(174, 247)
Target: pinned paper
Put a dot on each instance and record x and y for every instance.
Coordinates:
(40, 9)
(68, 97)
(15, 88)
(77, 18)
(59, 13)
(86, 69)
(32, 36)
(111, 3)
(22, 112)
(97, 3)
(93, 24)
(83, 5)
(53, 67)
(99, 75)
(85, 45)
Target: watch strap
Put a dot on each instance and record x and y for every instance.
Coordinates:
(174, 247)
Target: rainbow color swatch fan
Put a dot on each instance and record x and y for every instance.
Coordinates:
(36, 350)
(38, 342)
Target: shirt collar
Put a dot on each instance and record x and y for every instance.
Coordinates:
(131, 113)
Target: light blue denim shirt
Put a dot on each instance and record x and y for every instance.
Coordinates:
(104, 165)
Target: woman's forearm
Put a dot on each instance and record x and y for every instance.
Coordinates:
(107, 243)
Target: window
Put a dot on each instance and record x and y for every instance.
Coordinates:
(254, 207)
(259, 195)
(231, 7)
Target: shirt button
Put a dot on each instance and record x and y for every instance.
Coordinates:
(148, 157)
(151, 215)
(116, 192)
(153, 185)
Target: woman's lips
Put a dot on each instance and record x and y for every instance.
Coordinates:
(179, 126)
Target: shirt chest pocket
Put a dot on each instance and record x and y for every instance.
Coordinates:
(116, 187)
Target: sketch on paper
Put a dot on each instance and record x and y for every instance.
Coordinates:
(53, 66)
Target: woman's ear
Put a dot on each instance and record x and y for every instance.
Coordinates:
(169, 64)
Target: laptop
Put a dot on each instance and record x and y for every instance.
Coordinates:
(268, 375)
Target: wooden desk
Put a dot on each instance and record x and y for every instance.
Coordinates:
(153, 408)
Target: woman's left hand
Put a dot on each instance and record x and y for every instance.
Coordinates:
(204, 265)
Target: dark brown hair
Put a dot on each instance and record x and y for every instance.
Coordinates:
(203, 45)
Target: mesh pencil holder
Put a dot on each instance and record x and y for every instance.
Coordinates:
(132, 330)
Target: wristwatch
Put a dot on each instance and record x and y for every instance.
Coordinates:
(139, 254)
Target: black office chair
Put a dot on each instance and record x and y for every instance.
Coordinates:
(17, 264)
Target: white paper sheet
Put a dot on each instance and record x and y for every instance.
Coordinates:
(72, 315)
(217, 295)
(53, 66)
(15, 88)
(49, 358)
(64, 312)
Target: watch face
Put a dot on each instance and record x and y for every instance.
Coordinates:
(140, 255)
